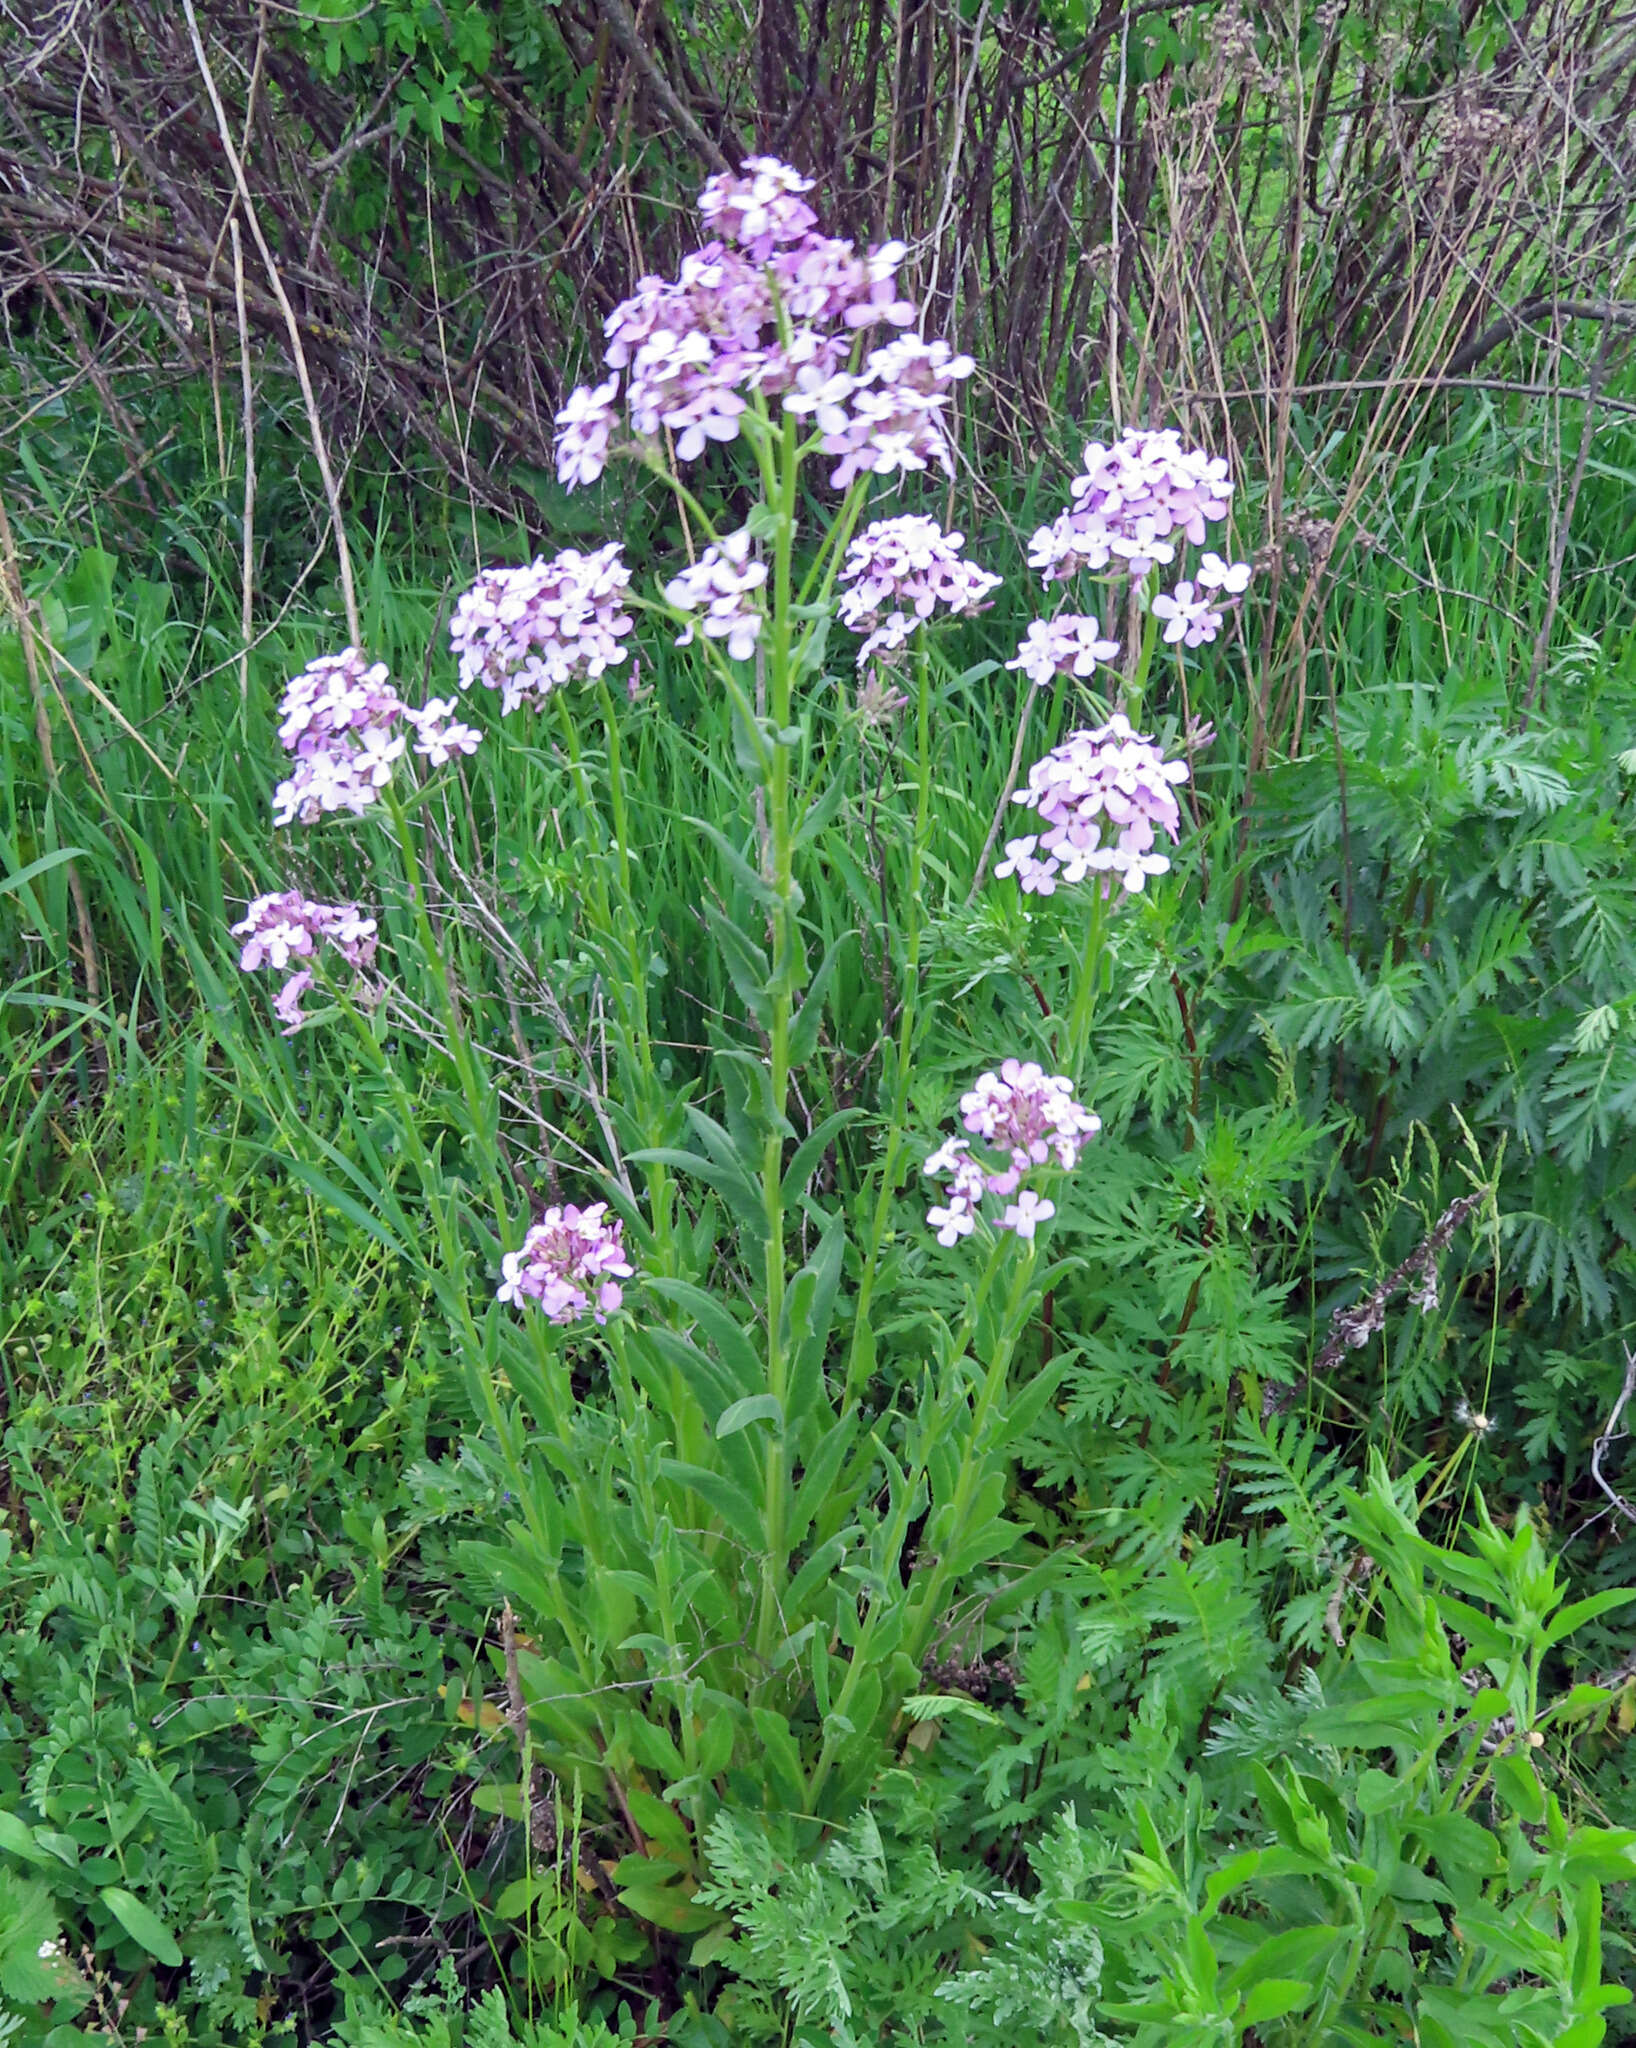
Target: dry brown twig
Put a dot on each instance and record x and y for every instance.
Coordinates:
(1612, 1434)
(298, 353)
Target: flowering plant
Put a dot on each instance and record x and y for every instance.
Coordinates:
(1103, 797)
(726, 1250)
(771, 311)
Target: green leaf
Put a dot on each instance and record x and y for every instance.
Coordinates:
(1518, 1786)
(515, 1900)
(731, 1502)
(143, 1925)
(28, 1920)
(1379, 1793)
(17, 1838)
(1273, 1998)
(746, 963)
(20, 878)
(354, 1211)
(1581, 1611)
(732, 1342)
(804, 1160)
(666, 1905)
(754, 1408)
(743, 1194)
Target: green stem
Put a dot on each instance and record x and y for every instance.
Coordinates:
(1071, 1049)
(785, 970)
(1144, 655)
(827, 563)
(908, 1018)
(636, 947)
(948, 1528)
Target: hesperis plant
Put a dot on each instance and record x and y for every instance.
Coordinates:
(746, 1485)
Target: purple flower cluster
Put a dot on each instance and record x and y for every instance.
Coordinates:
(761, 209)
(337, 718)
(897, 572)
(771, 307)
(439, 735)
(1069, 645)
(286, 927)
(1029, 1118)
(341, 719)
(571, 1263)
(527, 631)
(1127, 503)
(719, 584)
(1135, 501)
(1102, 796)
(886, 416)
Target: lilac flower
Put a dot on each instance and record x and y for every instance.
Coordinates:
(571, 1263)
(586, 422)
(1131, 498)
(888, 417)
(1103, 796)
(1188, 614)
(440, 736)
(768, 309)
(896, 574)
(336, 695)
(1027, 1213)
(1192, 612)
(1213, 573)
(341, 719)
(719, 585)
(286, 927)
(336, 718)
(822, 279)
(287, 1003)
(1071, 645)
(1031, 1121)
(527, 631)
(760, 209)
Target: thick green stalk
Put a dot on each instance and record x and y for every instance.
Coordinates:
(1071, 1049)
(655, 1173)
(974, 1453)
(1132, 704)
(969, 1477)
(908, 1018)
(785, 968)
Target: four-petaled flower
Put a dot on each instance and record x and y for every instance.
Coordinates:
(898, 572)
(284, 927)
(1071, 645)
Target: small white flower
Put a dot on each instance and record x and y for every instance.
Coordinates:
(1027, 1213)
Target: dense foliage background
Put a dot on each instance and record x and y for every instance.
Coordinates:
(271, 271)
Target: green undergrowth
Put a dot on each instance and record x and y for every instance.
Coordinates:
(259, 1774)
